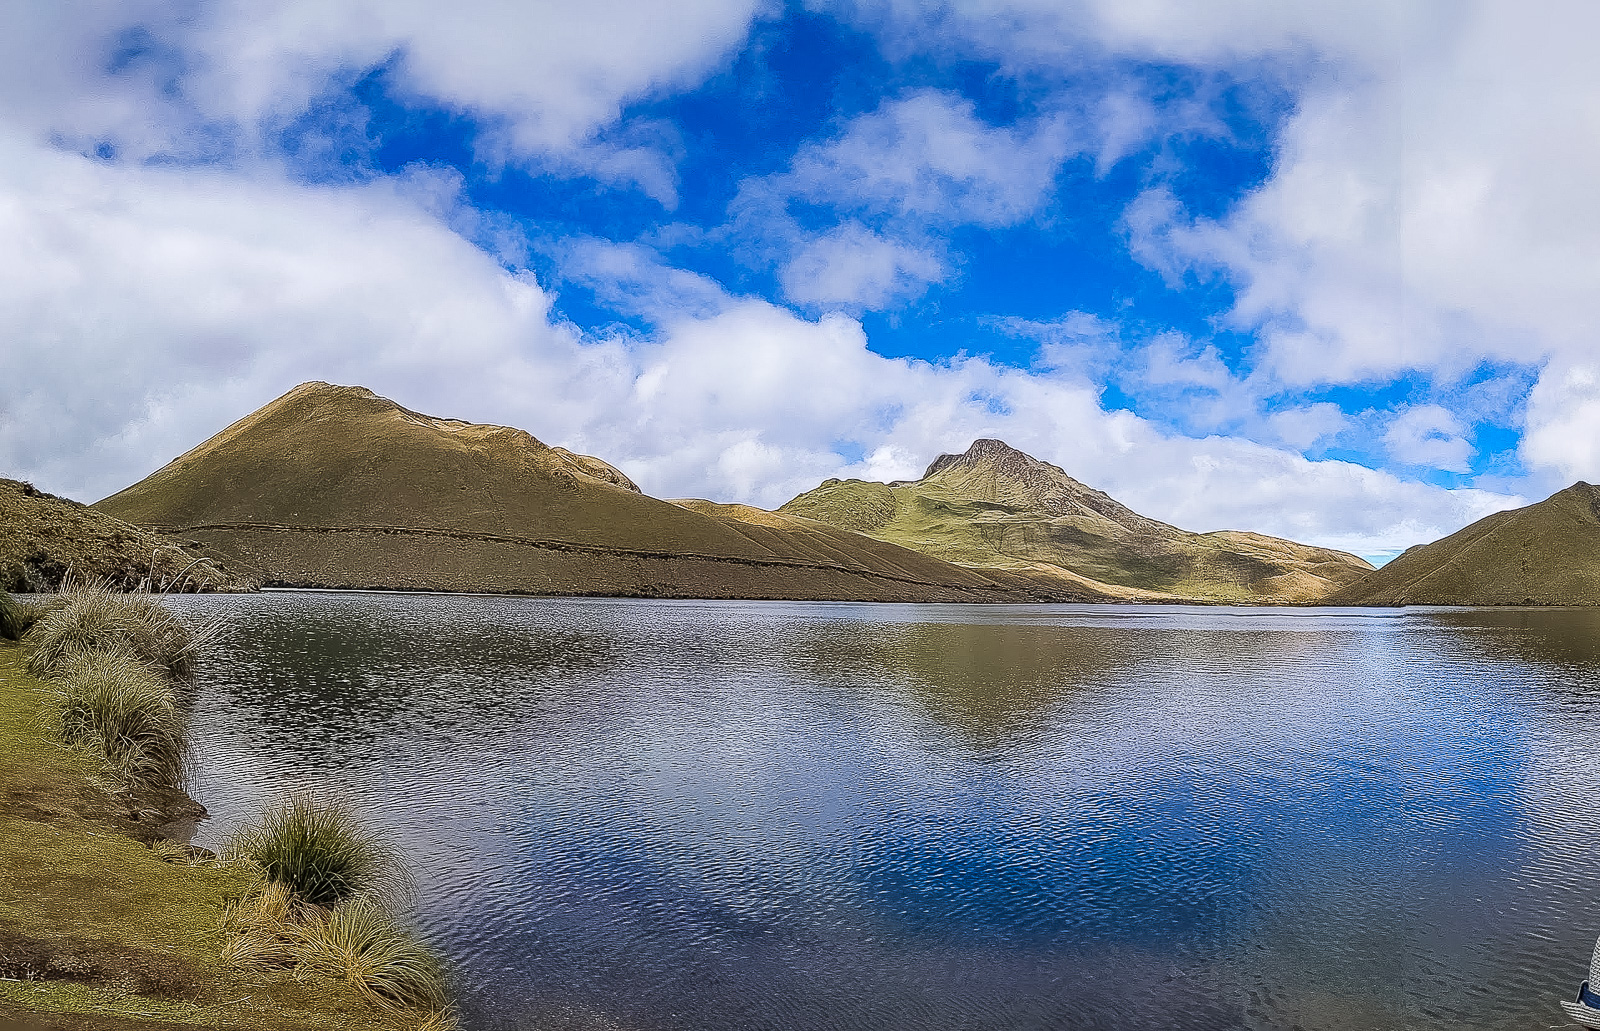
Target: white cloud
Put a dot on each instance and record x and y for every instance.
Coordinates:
(1187, 383)
(1306, 426)
(928, 155)
(145, 308)
(633, 278)
(544, 76)
(1429, 436)
(896, 178)
(1171, 360)
(1034, 35)
(1564, 421)
(1432, 208)
(1078, 343)
(1431, 205)
(853, 267)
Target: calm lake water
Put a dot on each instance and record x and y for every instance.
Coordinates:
(714, 815)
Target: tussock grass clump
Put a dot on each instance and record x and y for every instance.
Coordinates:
(92, 618)
(321, 853)
(440, 1020)
(360, 943)
(126, 711)
(323, 905)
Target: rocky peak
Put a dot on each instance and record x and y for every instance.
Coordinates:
(1016, 477)
(995, 455)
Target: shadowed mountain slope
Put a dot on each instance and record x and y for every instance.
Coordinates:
(997, 508)
(43, 538)
(334, 486)
(1544, 554)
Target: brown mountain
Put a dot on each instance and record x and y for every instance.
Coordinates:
(1544, 554)
(994, 507)
(43, 538)
(336, 487)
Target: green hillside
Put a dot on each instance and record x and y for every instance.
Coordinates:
(1545, 554)
(994, 507)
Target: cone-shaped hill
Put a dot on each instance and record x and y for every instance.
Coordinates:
(997, 508)
(1545, 554)
(337, 487)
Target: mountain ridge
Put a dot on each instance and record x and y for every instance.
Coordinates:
(45, 539)
(336, 486)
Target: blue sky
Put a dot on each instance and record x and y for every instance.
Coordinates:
(1325, 272)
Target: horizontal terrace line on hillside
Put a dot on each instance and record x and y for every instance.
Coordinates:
(566, 546)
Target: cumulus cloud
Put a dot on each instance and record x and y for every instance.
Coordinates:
(928, 155)
(1429, 209)
(204, 80)
(899, 177)
(1431, 205)
(1034, 36)
(853, 267)
(145, 308)
(1429, 436)
(902, 176)
(142, 305)
(1303, 427)
(1185, 382)
(634, 279)
(1564, 420)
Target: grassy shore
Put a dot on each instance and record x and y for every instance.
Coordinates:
(100, 930)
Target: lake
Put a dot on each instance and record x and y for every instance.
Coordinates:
(749, 815)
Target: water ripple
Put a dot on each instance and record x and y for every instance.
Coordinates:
(663, 815)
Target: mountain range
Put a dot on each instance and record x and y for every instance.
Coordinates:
(332, 486)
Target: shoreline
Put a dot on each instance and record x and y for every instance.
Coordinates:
(1107, 604)
(106, 921)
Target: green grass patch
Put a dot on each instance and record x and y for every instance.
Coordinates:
(101, 927)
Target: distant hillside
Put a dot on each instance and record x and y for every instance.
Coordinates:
(43, 538)
(997, 508)
(337, 487)
(1545, 554)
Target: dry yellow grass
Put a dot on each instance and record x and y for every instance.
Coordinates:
(47, 538)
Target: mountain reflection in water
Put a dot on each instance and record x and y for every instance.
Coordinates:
(663, 815)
